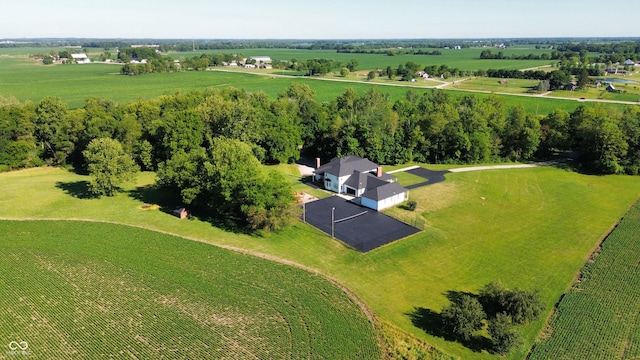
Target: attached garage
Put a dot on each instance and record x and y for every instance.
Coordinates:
(385, 196)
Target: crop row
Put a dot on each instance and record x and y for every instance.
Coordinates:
(600, 317)
(97, 290)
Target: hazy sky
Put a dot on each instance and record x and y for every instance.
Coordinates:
(320, 19)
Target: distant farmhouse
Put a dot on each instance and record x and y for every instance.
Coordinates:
(261, 62)
(362, 179)
(80, 58)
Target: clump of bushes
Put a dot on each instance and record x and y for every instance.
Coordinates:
(500, 308)
(411, 205)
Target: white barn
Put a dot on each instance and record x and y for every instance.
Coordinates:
(81, 58)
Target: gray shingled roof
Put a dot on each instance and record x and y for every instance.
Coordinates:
(385, 191)
(364, 181)
(346, 166)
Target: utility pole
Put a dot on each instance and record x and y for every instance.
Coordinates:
(333, 212)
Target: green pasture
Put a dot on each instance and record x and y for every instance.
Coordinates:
(530, 228)
(95, 290)
(463, 59)
(598, 318)
(28, 50)
(29, 80)
(511, 86)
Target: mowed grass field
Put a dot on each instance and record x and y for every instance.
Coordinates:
(29, 80)
(512, 86)
(600, 317)
(529, 228)
(94, 290)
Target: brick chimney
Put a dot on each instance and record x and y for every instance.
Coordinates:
(379, 171)
(317, 162)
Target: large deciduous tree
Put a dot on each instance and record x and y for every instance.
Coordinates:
(109, 166)
(463, 317)
(55, 131)
(227, 181)
(503, 334)
(597, 136)
(558, 79)
(521, 306)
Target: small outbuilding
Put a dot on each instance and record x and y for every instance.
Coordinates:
(611, 88)
(180, 212)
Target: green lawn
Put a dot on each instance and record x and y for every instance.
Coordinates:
(94, 290)
(530, 228)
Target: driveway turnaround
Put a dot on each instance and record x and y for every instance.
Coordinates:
(432, 176)
(361, 228)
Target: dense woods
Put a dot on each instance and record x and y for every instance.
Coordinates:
(432, 127)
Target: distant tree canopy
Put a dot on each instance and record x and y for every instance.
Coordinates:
(138, 53)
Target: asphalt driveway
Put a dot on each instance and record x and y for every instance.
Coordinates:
(368, 230)
(432, 176)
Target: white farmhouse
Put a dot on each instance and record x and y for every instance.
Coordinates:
(362, 179)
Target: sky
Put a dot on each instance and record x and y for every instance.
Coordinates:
(320, 19)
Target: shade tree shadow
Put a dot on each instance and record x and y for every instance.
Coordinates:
(152, 194)
(429, 321)
(454, 296)
(78, 189)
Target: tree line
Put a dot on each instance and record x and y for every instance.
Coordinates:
(432, 127)
(389, 52)
(487, 54)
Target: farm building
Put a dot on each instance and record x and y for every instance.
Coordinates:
(180, 212)
(611, 88)
(362, 179)
(81, 58)
(262, 62)
(261, 59)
